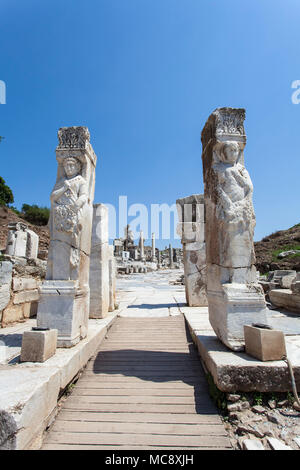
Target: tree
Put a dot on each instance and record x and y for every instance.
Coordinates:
(6, 194)
(35, 215)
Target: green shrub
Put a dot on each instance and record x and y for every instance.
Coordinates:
(6, 194)
(35, 215)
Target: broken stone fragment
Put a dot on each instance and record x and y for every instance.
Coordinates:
(251, 444)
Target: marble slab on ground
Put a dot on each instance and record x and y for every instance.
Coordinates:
(237, 371)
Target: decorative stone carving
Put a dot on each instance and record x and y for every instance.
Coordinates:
(234, 296)
(64, 302)
(191, 230)
(21, 241)
(73, 137)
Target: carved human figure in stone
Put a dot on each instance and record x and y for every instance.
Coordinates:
(68, 199)
(234, 207)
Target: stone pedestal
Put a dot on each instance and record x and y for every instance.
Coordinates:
(64, 306)
(38, 346)
(64, 296)
(234, 296)
(264, 344)
(99, 264)
(191, 230)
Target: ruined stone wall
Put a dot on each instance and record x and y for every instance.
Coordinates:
(19, 282)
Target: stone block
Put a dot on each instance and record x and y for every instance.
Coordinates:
(38, 346)
(30, 309)
(5, 272)
(285, 298)
(286, 281)
(276, 444)
(24, 283)
(251, 444)
(12, 313)
(237, 305)
(65, 308)
(4, 296)
(295, 286)
(32, 247)
(264, 344)
(26, 296)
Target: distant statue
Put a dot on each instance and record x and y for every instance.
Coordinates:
(129, 238)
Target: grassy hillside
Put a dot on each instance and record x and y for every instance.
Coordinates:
(268, 249)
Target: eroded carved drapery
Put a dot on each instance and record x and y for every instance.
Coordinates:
(234, 297)
(234, 208)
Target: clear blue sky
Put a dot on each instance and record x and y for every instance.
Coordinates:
(144, 75)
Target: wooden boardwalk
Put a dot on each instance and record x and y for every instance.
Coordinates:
(144, 389)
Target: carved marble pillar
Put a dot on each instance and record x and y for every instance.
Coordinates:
(234, 296)
(64, 296)
(142, 251)
(99, 264)
(112, 279)
(153, 255)
(191, 230)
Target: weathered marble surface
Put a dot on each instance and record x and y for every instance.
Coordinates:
(99, 264)
(112, 267)
(64, 303)
(21, 241)
(5, 283)
(234, 296)
(38, 346)
(191, 230)
(285, 298)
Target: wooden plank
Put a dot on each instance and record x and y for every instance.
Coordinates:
(56, 446)
(180, 418)
(144, 368)
(134, 439)
(139, 399)
(139, 428)
(119, 378)
(137, 408)
(150, 375)
(164, 392)
(91, 382)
